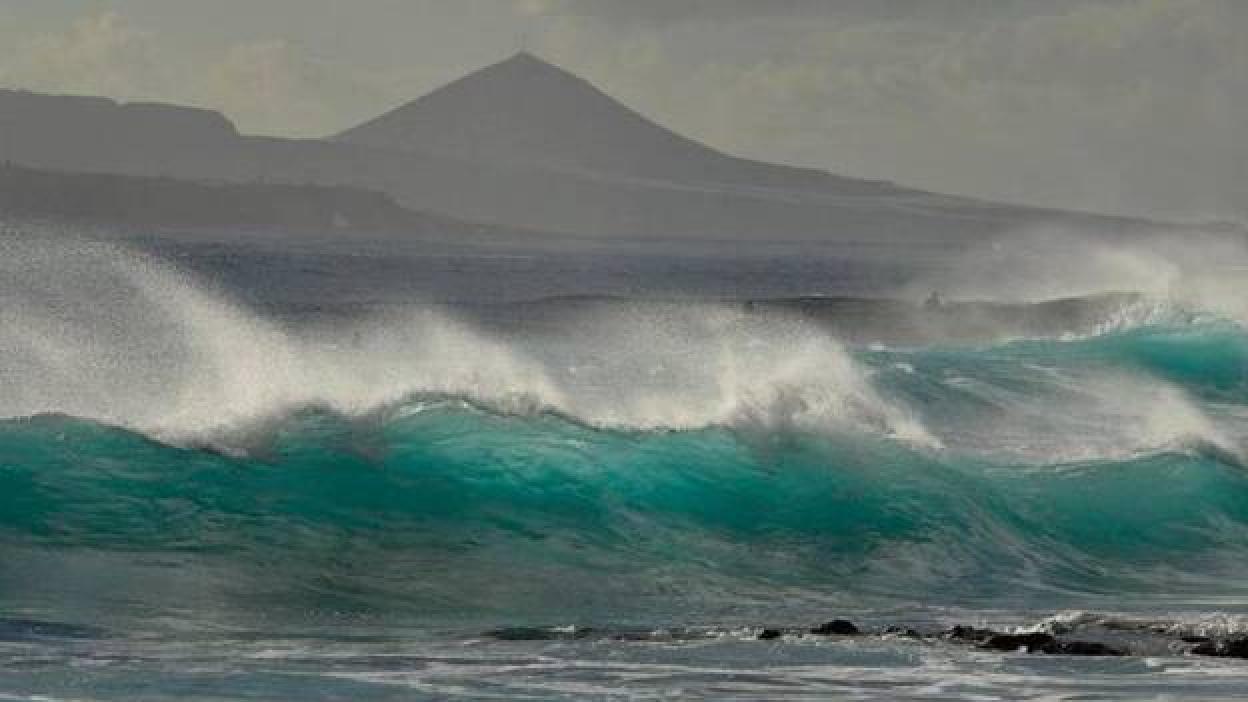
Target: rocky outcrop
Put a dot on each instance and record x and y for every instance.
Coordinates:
(1227, 648)
(836, 627)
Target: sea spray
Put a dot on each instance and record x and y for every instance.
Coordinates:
(106, 334)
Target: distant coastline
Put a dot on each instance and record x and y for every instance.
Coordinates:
(522, 146)
(172, 204)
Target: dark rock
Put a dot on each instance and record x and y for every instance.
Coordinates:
(1235, 648)
(1035, 642)
(768, 634)
(1229, 648)
(836, 627)
(969, 633)
(1195, 639)
(1088, 648)
(1208, 648)
(903, 632)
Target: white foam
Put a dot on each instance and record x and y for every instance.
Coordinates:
(1054, 416)
(1177, 273)
(102, 333)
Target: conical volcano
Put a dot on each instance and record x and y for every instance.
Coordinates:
(527, 112)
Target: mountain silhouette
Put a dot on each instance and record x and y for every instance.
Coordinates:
(184, 207)
(525, 111)
(519, 145)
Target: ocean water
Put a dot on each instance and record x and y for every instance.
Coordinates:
(201, 499)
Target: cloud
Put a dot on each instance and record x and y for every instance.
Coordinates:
(274, 88)
(268, 86)
(1130, 105)
(98, 54)
(658, 12)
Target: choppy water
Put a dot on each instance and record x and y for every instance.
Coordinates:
(199, 502)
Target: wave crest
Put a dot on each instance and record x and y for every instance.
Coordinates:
(106, 334)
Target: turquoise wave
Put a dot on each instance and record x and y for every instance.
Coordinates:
(1210, 358)
(440, 505)
(1101, 467)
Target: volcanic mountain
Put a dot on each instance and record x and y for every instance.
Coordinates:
(521, 144)
(527, 112)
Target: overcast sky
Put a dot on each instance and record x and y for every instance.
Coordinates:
(1134, 106)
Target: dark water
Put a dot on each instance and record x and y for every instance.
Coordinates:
(199, 500)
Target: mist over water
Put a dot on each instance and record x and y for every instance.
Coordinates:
(1185, 269)
(110, 335)
(101, 332)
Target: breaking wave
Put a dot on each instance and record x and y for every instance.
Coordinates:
(701, 456)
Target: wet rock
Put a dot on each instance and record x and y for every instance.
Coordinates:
(969, 633)
(1035, 642)
(1088, 648)
(1195, 639)
(836, 627)
(1207, 648)
(769, 634)
(902, 632)
(1031, 642)
(1230, 648)
(1236, 648)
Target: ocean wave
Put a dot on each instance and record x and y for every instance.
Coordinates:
(104, 335)
(626, 452)
(440, 486)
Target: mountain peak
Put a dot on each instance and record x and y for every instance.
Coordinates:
(521, 67)
(527, 111)
(526, 57)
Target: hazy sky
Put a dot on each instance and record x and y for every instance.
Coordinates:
(1120, 105)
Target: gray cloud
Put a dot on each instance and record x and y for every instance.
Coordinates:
(1124, 106)
(101, 53)
(702, 11)
(268, 86)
